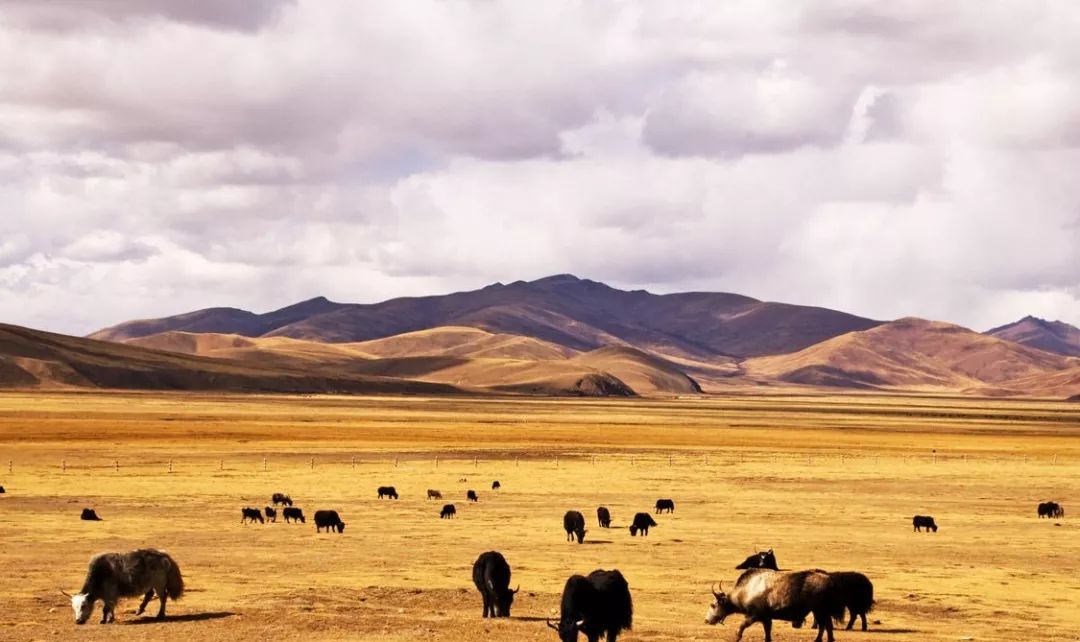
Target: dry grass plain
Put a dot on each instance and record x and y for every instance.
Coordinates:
(828, 482)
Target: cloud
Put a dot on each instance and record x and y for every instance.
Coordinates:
(886, 159)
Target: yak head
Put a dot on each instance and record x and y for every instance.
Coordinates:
(580, 534)
(567, 628)
(341, 527)
(503, 600)
(82, 605)
(764, 559)
(720, 608)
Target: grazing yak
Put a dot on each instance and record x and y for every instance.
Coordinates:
(293, 514)
(763, 595)
(89, 515)
(329, 520)
(665, 505)
(856, 590)
(642, 522)
(924, 521)
(491, 575)
(271, 514)
(495, 485)
(574, 524)
(448, 511)
(387, 491)
(281, 498)
(2, 491)
(603, 515)
(252, 515)
(1051, 510)
(471, 496)
(114, 575)
(596, 605)
(433, 494)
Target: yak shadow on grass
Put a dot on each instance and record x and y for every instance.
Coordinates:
(890, 630)
(532, 618)
(597, 541)
(188, 617)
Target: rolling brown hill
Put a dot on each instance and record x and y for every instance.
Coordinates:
(914, 354)
(1051, 336)
(468, 358)
(31, 358)
(577, 314)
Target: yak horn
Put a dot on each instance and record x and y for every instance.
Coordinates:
(716, 593)
(579, 623)
(517, 589)
(548, 622)
(65, 593)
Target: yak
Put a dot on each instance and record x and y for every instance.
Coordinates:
(89, 515)
(433, 494)
(665, 505)
(387, 491)
(471, 496)
(281, 498)
(271, 514)
(328, 519)
(111, 576)
(495, 485)
(856, 590)
(448, 511)
(1051, 510)
(574, 525)
(603, 515)
(491, 575)
(642, 522)
(252, 515)
(2, 491)
(924, 521)
(293, 514)
(596, 605)
(764, 595)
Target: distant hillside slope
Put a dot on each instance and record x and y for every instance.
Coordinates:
(576, 314)
(30, 358)
(1051, 336)
(922, 355)
(464, 357)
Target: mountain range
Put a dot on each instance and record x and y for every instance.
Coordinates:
(554, 336)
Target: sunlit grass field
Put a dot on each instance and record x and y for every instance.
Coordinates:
(827, 482)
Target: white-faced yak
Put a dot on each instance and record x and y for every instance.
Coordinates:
(144, 572)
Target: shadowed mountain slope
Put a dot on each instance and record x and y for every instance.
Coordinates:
(1051, 336)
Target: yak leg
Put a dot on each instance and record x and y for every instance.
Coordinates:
(612, 635)
(824, 623)
(742, 627)
(851, 622)
(107, 611)
(162, 595)
(146, 600)
(863, 616)
(487, 605)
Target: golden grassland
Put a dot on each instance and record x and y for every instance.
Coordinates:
(828, 482)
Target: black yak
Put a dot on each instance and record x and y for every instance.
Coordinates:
(596, 605)
(89, 515)
(574, 525)
(495, 485)
(448, 511)
(764, 595)
(471, 496)
(924, 521)
(764, 559)
(387, 491)
(293, 514)
(642, 522)
(1051, 510)
(603, 515)
(433, 494)
(491, 575)
(281, 498)
(114, 575)
(665, 505)
(251, 514)
(328, 519)
(856, 590)
(271, 514)
(2, 491)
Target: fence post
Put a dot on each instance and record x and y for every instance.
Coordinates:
(63, 466)
(264, 464)
(474, 462)
(669, 461)
(116, 465)
(170, 465)
(436, 461)
(556, 461)
(395, 462)
(353, 460)
(311, 464)
(221, 464)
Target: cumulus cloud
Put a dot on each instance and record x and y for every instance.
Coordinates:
(883, 158)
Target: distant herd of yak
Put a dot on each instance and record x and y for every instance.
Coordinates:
(597, 605)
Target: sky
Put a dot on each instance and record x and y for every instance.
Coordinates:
(888, 159)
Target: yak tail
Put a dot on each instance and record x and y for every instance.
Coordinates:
(174, 582)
